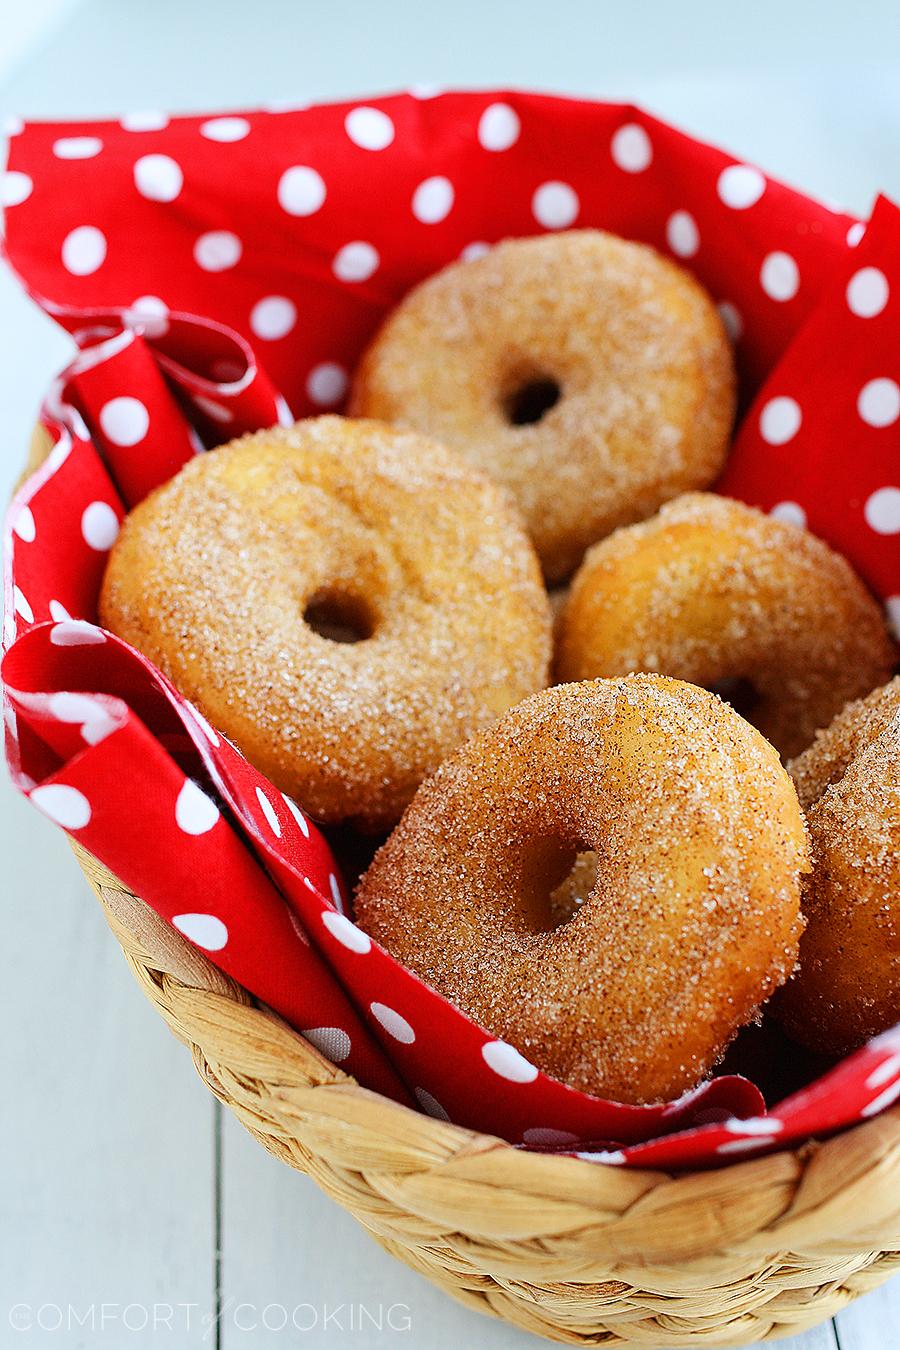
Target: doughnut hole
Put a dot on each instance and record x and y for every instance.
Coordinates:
(340, 616)
(528, 397)
(557, 877)
(575, 888)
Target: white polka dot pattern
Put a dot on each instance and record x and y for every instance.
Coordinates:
(15, 187)
(216, 412)
(780, 276)
(506, 1062)
(430, 1105)
(124, 420)
(76, 633)
(394, 1024)
(432, 200)
(682, 234)
(327, 384)
(268, 811)
(84, 250)
(613, 1157)
(99, 526)
(301, 190)
(546, 1136)
(369, 128)
(204, 930)
(731, 318)
(332, 1042)
(218, 250)
(882, 511)
(356, 261)
(764, 1126)
(346, 933)
(225, 129)
(65, 805)
(882, 1101)
(741, 1145)
(197, 716)
(789, 513)
(77, 147)
(555, 206)
(334, 887)
(24, 525)
(879, 402)
(867, 292)
(145, 121)
(298, 815)
(158, 178)
(780, 420)
(631, 148)
(92, 717)
(499, 127)
(195, 813)
(150, 314)
(273, 317)
(741, 186)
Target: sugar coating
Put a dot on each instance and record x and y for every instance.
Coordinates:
(694, 919)
(717, 593)
(213, 572)
(847, 987)
(635, 344)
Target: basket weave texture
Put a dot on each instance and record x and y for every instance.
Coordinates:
(575, 1251)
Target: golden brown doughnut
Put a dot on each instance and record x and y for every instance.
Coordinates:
(588, 374)
(694, 918)
(848, 984)
(345, 525)
(714, 592)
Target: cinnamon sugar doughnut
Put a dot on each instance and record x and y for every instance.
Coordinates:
(588, 374)
(847, 987)
(714, 592)
(694, 917)
(236, 576)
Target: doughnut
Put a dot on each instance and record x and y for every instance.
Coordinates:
(693, 919)
(848, 985)
(344, 600)
(588, 374)
(716, 593)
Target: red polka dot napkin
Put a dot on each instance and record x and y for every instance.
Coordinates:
(219, 274)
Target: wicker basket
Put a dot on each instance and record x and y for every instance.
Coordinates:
(571, 1250)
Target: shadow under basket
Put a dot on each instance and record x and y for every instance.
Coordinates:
(579, 1252)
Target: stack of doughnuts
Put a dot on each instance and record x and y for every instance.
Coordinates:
(615, 872)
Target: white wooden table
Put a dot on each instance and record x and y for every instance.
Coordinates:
(133, 1212)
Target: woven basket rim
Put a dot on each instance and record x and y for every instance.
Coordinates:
(559, 1246)
(229, 1006)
